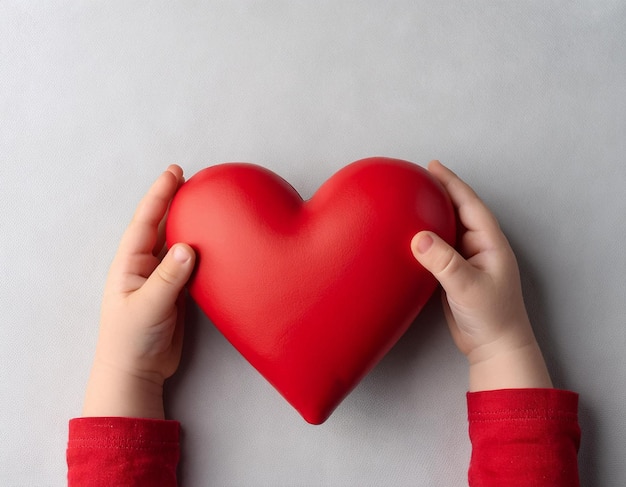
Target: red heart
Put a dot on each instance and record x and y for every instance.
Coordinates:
(312, 293)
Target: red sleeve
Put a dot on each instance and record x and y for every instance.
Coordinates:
(523, 437)
(122, 452)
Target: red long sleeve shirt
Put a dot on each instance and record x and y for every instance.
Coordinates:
(520, 437)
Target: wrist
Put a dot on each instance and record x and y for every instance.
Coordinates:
(516, 367)
(112, 391)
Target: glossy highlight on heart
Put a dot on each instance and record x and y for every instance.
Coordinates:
(312, 293)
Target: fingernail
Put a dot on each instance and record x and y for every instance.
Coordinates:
(180, 254)
(424, 243)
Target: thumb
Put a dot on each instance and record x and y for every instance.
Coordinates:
(167, 280)
(448, 266)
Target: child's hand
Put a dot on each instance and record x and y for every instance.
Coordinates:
(482, 294)
(141, 325)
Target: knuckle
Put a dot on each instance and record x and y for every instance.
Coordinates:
(166, 275)
(448, 263)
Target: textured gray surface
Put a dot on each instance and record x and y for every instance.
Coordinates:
(525, 100)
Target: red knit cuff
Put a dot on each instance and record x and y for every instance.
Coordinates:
(522, 404)
(117, 432)
(523, 437)
(123, 452)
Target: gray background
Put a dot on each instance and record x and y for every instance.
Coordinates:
(525, 100)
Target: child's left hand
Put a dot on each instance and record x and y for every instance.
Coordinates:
(141, 325)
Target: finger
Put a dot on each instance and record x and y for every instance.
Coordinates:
(161, 290)
(476, 242)
(453, 272)
(473, 213)
(142, 232)
(159, 249)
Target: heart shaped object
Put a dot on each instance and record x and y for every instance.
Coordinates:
(312, 293)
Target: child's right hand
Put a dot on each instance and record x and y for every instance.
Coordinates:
(482, 294)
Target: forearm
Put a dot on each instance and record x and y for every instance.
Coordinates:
(113, 392)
